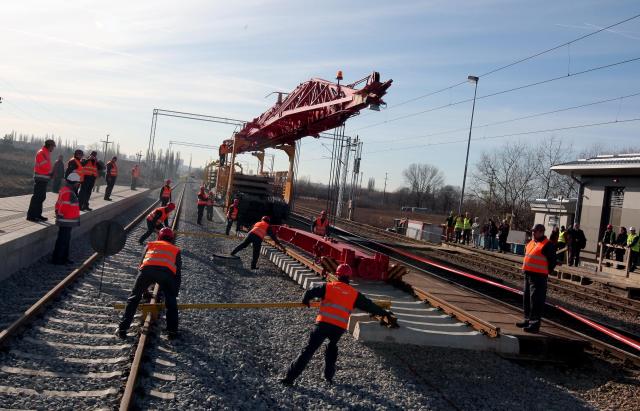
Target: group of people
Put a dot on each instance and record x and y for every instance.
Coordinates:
(621, 243)
(571, 241)
(488, 235)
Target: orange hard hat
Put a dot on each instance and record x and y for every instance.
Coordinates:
(344, 270)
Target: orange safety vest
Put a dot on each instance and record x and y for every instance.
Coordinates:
(79, 169)
(67, 208)
(90, 168)
(114, 169)
(260, 229)
(534, 261)
(232, 213)
(320, 227)
(337, 304)
(166, 192)
(202, 199)
(163, 217)
(135, 172)
(161, 254)
(42, 167)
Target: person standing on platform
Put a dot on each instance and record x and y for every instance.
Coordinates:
(210, 199)
(202, 203)
(156, 220)
(111, 175)
(459, 225)
(476, 232)
(608, 239)
(165, 193)
(577, 242)
(101, 173)
(255, 237)
(539, 261)
(320, 225)
(67, 217)
(75, 165)
(135, 175)
(503, 234)
(450, 222)
(562, 243)
(232, 215)
(90, 167)
(338, 299)
(621, 241)
(493, 232)
(58, 174)
(633, 243)
(161, 264)
(466, 229)
(42, 172)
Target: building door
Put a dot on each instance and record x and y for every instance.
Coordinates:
(612, 210)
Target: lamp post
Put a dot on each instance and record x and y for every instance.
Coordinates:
(472, 79)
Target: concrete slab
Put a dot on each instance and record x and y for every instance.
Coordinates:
(22, 242)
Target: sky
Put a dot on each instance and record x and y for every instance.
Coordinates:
(85, 69)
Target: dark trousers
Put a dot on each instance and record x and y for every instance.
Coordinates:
(164, 201)
(561, 257)
(38, 197)
(535, 294)
(458, 235)
(134, 183)
(61, 249)
(150, 229)
(321, 332)
(55, 186)
(633, 260)
(209, 212)
(85, 191)
(574, 256)
(502, 244)
(466, 236)
(257, 244)
(167, 283)
(229, 224)
(111, 181)
(200, 213)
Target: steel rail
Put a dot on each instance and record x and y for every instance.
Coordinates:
(32, 312)
(128, 396)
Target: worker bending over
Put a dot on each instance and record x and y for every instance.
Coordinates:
(320, 225)
(255, 237)
(161, 264)
(67, 216)
(338, 299)
(165, 193)
(157, 219)
(232, 215)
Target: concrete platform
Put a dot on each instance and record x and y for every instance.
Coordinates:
(22, 242)
(420, 324)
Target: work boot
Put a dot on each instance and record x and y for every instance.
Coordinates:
(122, 334)
(173, 335)
(286, 381)
(523, 324)
(42, 218)
(533, 327)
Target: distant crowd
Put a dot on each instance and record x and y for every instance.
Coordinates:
(488, 235)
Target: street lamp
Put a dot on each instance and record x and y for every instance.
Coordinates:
(472, 79)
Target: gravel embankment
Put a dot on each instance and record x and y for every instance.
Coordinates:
(232, 359)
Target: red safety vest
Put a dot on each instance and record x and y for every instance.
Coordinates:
(320, 227)
(42, 167)
(166, 192)
(163, 217)
(114, 169)
(534, 261)
(232, 212)
(161, 254)
(202, 198)
(135, 172)
(67, 208)
(90, 168)
(337, 304)
(79, 169)
(260, 229)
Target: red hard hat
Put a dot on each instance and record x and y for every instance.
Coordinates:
(323, 212)
(168, 181)
(236, 201)
(609, 226)
(266, 219)
(171, 206)
(344, 270)
(166, 234)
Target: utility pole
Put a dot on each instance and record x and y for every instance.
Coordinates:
(474, 80)
(139, 156)
(384, 190)
(106, 146)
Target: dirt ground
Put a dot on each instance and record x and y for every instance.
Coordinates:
(376, 217)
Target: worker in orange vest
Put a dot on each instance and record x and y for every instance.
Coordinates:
(135, 175)
(260, 229)
(232, 215)
(338, 299)
(111, 177)
(161, 264)
(67, 216)
(210, 199)
(75, 165)
(90, 169)
(320, 225)
(42, 172)
(157, 219)
(539, 261)
(165, 193)
(202, 203)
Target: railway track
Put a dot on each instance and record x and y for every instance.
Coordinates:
(591, 332)
(62, 352)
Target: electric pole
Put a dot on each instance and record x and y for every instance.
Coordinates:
(384, 190)
(139, 156)
(106, 146)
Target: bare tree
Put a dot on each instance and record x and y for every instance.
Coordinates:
(371, 184)
(423, 180)
(552, 151)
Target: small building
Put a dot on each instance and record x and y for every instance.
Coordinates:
(552, 212)
(609, 193)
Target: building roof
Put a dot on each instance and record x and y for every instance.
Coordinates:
(603, 165)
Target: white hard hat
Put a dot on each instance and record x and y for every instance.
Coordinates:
(632, 229)
(73, 177)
